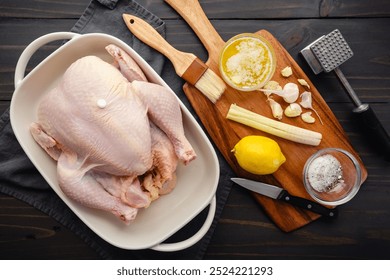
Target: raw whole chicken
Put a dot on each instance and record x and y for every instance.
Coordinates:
(117, 138)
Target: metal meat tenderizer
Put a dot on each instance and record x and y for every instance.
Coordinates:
(327, 53)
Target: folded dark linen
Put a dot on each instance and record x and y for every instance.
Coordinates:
(20, 179)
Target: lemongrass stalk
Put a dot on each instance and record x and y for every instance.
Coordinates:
(283, 130)
(239, 111)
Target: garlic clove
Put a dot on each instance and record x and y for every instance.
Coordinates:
(286, 72)
(277, 110)
(307, 103)
(307, 117)
(304, 83)
(306, 100)
(293, 110)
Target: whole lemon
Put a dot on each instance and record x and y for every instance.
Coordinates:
(258, 154)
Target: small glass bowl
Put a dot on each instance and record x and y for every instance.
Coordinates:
(332, 176)
(226, 54)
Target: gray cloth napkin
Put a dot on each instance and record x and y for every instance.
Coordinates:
(20, 179)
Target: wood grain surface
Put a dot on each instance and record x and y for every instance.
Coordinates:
(226, 134)
(362, 230)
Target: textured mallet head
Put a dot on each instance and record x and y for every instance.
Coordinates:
(331, 50)
(327, 52)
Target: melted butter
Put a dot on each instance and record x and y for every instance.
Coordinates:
(247, 62)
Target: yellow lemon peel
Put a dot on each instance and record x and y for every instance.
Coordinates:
(258, 154)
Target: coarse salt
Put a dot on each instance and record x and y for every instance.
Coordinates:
(325, 173)
(250, 64)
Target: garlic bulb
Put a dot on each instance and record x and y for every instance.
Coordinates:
(289, 93)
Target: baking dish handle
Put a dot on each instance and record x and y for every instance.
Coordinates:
(170, 247)
(33, 47)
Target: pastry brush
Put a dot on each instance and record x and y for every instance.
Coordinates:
(327, 53)
(186, 65)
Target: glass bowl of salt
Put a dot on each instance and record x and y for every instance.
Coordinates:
(332, 176)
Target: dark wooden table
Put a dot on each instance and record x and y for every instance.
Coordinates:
(244, 232)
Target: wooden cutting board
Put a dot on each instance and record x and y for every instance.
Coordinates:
(225, 133)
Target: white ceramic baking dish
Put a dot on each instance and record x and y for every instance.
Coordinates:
(196, 183)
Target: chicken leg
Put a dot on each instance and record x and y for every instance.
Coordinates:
(169, 119)
(83, 188)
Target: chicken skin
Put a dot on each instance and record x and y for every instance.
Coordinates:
(117, 138)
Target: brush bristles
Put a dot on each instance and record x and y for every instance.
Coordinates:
(211, 85)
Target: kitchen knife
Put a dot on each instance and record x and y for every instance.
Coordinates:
(281, 194)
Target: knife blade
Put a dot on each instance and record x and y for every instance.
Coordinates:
(281, 194)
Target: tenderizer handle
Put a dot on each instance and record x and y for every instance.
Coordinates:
(352, 94)
(368, 118)
(374, 129)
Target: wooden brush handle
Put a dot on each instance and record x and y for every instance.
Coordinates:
(194, 15)
(147, 34)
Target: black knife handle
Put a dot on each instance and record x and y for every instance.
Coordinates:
(308, 205)
(373, 127)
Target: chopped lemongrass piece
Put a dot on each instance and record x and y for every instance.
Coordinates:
(282, 130)
(307, 103)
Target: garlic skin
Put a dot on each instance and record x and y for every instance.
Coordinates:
(293, 110)
(274, 85)
(307, 117)
(271, 86)
(277, 110)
